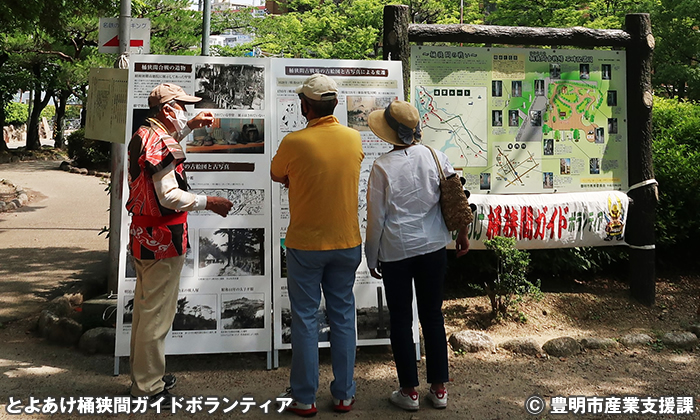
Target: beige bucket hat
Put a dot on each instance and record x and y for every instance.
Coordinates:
(398, 124)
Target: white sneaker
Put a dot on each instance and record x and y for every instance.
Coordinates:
(438, 398)
(406, 401)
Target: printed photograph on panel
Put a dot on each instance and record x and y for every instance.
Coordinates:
(229, 135)
(513, 118)
(324, 328)
(584, 72)
(612, 125)
(497, 118)
(497, 88)
(130, 271)
(548, 181)
(548, 147)
(517, 88)
(484, 181)
(565, 166)
(373, 321)
(359, 108)
(283, 259)
(594, 164)
(230, 86)
(242, 311)
(554, 71)
(246, 202)
(605, 71)
(195, 313)
(128, 316)
(231, 252)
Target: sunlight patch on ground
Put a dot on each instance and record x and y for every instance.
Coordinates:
(6, 363)
(34, 371)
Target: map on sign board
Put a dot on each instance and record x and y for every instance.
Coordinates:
(461, 136)
(518, 120)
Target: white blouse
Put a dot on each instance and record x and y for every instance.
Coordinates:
(403, 210)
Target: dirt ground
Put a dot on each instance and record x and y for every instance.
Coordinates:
(483, 386)
(490, 386)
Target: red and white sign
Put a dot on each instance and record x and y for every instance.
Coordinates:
(140, 34)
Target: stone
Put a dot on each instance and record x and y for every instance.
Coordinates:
(562, 347)
(680, 340)
(82, 171)
(60, 306)
(527, 345)
(695, 329)
(471, 341)
(98, 340)
(635, 340)
(65, 166)
(595, 343)
(66, 331)
(74, 170)
(11, 206)
(45, 323)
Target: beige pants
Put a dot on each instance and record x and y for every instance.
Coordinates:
(155, 303)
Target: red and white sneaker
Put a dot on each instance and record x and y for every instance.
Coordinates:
(406, 401)
(343, 406)
(438, 398)
(300, 409)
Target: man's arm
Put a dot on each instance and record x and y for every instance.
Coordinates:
(281, 179)
(172, 197)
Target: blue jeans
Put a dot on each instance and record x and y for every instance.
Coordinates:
(428, 273)
(307, 273)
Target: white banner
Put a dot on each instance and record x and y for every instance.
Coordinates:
(551, 220)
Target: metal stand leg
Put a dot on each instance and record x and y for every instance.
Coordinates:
(269, 360)
(116, 365)
(417, 352)
(275, 359)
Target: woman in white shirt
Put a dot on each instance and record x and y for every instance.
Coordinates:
(405, 244)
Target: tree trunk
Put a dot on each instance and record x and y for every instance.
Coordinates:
(3, 145)
(59, 140)
(39, 103)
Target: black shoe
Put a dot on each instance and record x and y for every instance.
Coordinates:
(170, 381)
(165, 398)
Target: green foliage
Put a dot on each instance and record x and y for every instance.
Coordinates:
(48, 112)
(676, 155)
(87, 153)
(174, 28)
(575, 261)
(16, 113)
(511, 283)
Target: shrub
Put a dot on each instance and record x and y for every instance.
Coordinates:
(87, 153)
(16, 113)
(676, 156)
(511, 283)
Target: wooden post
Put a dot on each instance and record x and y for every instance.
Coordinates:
(640, 223)
(396, 45)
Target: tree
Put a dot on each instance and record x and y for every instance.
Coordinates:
(174, 28)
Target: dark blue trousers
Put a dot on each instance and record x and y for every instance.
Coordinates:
(427, 272)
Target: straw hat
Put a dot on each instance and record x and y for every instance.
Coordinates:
(398, 124)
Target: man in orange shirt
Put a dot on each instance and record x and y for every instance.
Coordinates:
(321, 166)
